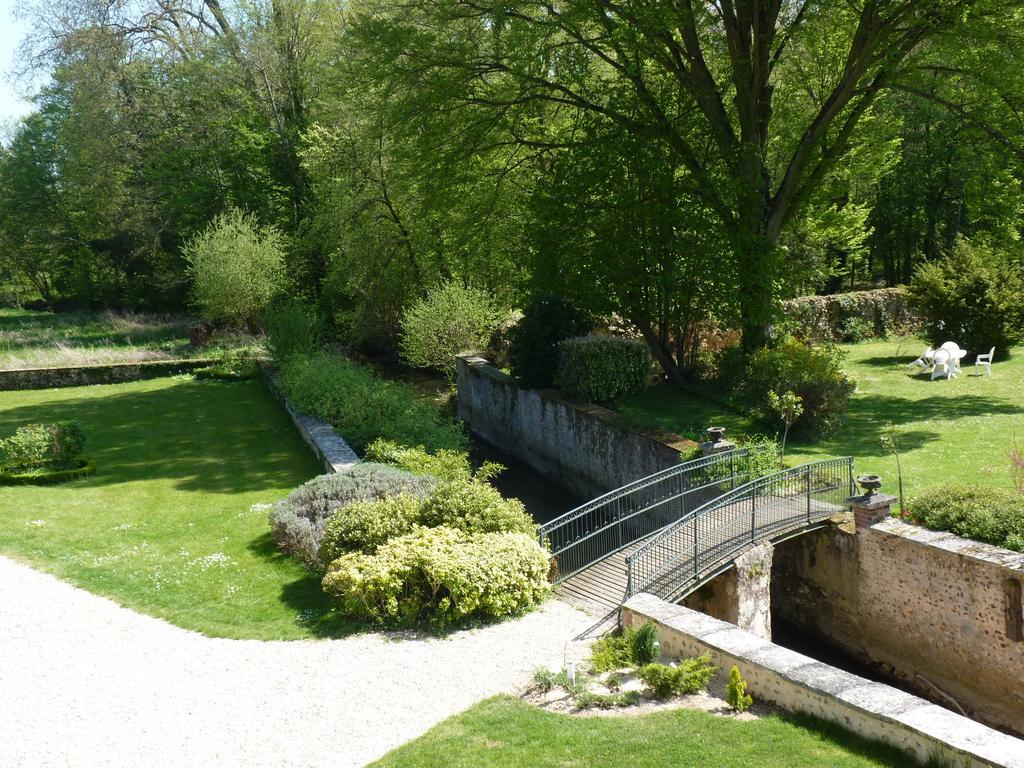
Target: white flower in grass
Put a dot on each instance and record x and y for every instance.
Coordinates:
(215, 560)
(124, 527)
(36, 523)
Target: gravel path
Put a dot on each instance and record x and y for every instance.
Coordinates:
(84, 682)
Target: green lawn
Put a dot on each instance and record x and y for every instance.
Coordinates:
(33, 339)
(165, 526)
(950, 431)
(504, 732)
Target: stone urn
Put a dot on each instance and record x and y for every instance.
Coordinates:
(870, 484)
(716, 442)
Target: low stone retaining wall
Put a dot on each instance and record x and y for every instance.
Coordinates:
(938, 612)
(330, 448)
(799, 683)
(572, 444)
(87, 375)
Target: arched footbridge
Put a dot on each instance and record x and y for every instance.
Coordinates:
(672, 532)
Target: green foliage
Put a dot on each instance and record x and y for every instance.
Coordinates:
(613, 682)
(615, 700)
(230, 367)
(363, 407)
(788, 407)
(601, 369)
(443, 463)
(736, 695)
(533, 351)
(612, 652)
(237, 268)
(814, 374)
(970, 297)
(364, 525)
(297, 522)
(441, 576)
(451, 319)
(38, 446)
(991, 515)
(48, 476)
(293, 329)
(475, 506)
(691, 676)
(643, 644)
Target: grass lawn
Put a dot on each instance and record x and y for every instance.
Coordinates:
(32, 339)
(165, 526)
(949, 431)
(504, 732)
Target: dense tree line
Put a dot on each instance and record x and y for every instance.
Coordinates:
(681, 164)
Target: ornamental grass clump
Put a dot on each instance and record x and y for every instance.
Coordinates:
(441, 576)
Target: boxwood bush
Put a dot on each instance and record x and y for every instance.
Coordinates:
(990, 515)
(297, 522)
(363, 407)
(441, 576)
(601, 369)
(814, 373)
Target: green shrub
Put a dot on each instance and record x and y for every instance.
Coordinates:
(38, 446)
(231, 367)
(476, 507)
(363, 407)
(364, 525)
(971, 297)
(991, 515)
(68, 441)
(691, 676)
(590, 700)
(612, 652)
(736, 695)
(643, 644)
(813, 373)
(237, 268)
(441, 576)
(601, 369)
(48, 476)
(293, 329)
(298, 521)
(533, 343)
(451, 319)
(443, 463)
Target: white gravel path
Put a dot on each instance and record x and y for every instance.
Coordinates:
(87, 683)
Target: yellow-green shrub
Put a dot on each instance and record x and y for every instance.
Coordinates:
(477, 507)
(366, 524)
(443, 463)
(442, 576)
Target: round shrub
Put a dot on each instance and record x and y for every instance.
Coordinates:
(298, 521)
(441, 576)
(814, 373)
(443, 463)
(970, 297)
(991, 515)
(450, 320)
(533, 343)
(37, 446)
(364, 525)
(601, 369)
(237, 268)
(477, 507)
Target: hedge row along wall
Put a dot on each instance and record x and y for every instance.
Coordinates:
(853, 316)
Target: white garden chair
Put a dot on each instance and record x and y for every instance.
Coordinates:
(924, 360)
(986, 361)
(942, 365)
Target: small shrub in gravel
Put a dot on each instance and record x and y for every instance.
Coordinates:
(691, 676)
(298, 521)
(441, 576)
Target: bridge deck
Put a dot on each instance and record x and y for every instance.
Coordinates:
(601, 587)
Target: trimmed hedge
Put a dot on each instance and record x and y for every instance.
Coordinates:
(297, 522)
(601, 369)
(990, 515)
(441, 576)
(85, 468)
(362, 406)
(854, 316)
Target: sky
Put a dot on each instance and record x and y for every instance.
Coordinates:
(11, 33)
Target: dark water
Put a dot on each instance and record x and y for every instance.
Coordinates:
(789, 636)
(543, 499)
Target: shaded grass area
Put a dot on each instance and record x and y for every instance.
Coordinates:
(166, 525)
(30, 338)
(503, 732)
(949, 431)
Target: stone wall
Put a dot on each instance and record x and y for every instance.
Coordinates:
(741, 595)
(573, 444)
(85, 375)
(935, 611)
(848, 316)
(799, 683)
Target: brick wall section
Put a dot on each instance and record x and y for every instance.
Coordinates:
(928, 607)
(799, 683)
(573, 444)
(86, 375)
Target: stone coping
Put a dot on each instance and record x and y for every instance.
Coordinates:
(800, 683)
(330, 448)
(950, 542)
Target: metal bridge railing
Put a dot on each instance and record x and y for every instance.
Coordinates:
(612, 522)
(697, 546)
